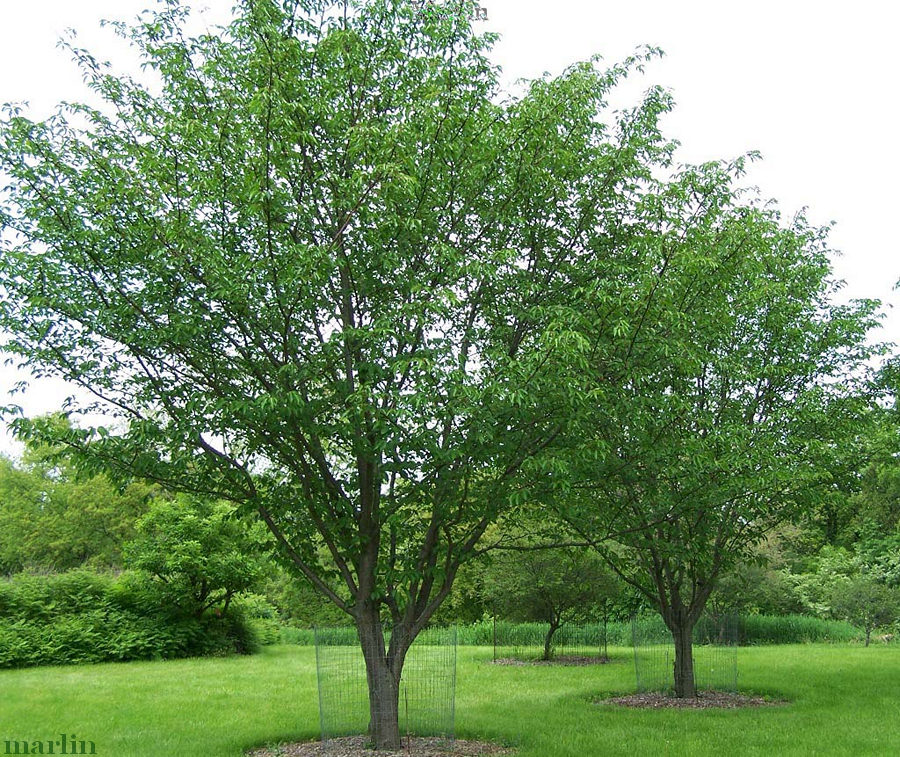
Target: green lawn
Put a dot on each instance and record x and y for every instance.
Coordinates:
(845, 700)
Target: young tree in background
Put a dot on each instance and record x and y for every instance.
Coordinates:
(552, 586)
(198, 552)
(731, 387)
(866, 603)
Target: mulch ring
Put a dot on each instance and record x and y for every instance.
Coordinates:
(572, 660)
(722, 700)
(360, 746)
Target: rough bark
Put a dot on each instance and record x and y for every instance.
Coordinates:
(383, 678)
(684, 660)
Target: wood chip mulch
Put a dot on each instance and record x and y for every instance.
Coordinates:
(563, 660)
(723, 700)
(359, 746)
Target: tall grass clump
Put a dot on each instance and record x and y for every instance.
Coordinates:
(795, 629)
(752, 630)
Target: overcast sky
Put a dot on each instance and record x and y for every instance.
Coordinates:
(811, 85)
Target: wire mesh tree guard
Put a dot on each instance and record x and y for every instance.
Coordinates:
(715, 642)
(527, 641)
(427, 686)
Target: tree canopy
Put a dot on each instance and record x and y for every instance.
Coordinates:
(51, 519)
(730, 399)
(322, 267)
(552, 586)
(319, 267)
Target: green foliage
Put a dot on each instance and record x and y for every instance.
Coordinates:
(814, 587)
(52, 520)
(298, 603)
(554, 586)
(754, 630)
(261, 615)
(753, 588)
(867, 603)
(786, 576)
(879, 557)
(198, 551)
(306, 636)
(84, 617)
(795, 629)
(877, 499)
(264, 632)
(466, 602)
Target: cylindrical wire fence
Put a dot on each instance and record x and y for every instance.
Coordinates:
(427, 705)
(715, 641)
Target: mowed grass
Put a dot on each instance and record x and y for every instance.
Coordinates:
(844, 700)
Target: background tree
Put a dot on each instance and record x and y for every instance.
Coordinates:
(315, 270)
(875, 505)
(814, 581)
(298, 602)
(731, 388)
(201, 554)
(866, 603)
(552, 586)
(52, 519)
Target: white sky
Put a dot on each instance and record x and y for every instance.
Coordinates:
(811, 85)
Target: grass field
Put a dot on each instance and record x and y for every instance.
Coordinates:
(845, 700)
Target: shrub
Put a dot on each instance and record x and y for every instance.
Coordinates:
(262, 617)
(199, 553)
(84, 617)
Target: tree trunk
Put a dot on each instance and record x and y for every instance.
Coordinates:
(383, 682)
(605, 655)
(868, 635)
(684, 660)
(548, 640)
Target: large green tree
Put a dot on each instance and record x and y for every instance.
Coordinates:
(317, 267)
(729, 393)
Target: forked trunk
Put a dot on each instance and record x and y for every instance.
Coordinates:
(684, 660)
(383, 678)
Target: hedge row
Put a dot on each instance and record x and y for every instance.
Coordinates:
(85, 617)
